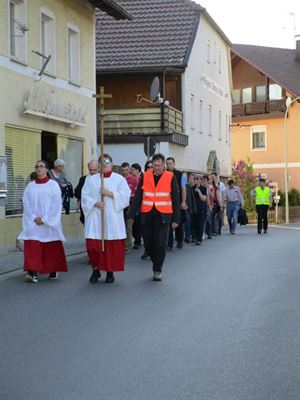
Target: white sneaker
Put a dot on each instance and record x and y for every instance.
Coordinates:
(157, 276)
(31, 277)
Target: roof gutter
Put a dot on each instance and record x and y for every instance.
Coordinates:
(177, 70)
(111, 7)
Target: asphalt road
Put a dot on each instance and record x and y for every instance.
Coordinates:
(224, 324)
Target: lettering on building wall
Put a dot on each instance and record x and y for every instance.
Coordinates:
(213, 87)
(47, 103)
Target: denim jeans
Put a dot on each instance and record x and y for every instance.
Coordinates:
(232, 215)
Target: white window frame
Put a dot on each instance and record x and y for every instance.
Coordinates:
(208, 51)
(220, 125)
(71, 79)
(215, 52)
(20, 55)
(227, 130)
(210, 119)
(254, 129)
(51, 67)
(192, 111)
(201, 102)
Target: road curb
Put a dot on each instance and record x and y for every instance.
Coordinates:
(68, 256)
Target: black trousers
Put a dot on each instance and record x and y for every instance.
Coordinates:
(178, 235)
(155, 234)
(137, 230)
(262, 217)
(198, 223)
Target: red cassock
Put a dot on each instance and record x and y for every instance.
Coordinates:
(113, 257)
(44, 258)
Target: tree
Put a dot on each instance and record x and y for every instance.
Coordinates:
(244, 178)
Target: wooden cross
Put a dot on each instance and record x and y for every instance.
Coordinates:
(102, 97)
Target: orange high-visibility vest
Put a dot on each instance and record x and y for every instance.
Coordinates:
(158, 196)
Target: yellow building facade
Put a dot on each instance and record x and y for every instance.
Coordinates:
(47, 109)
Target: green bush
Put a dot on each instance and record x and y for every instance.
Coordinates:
(294, 198)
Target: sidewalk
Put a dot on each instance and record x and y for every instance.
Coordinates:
(11, 258)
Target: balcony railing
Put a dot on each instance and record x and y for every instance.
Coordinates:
(265, 107)
(143, 121)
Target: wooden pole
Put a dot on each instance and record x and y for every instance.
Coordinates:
(102, 114)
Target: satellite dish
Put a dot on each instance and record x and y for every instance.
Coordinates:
(154, 91)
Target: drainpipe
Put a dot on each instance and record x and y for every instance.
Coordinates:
(162, 105)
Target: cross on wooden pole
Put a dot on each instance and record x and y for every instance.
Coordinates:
(102, 114)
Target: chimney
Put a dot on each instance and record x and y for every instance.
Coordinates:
(297, 39)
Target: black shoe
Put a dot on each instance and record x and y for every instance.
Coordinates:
(187, 240)
(136, 246)
(209, 236)
(144, 256)
(53, 276)
(198, 243)
(109, 277)
(259, 232)
(95, 276)
(169, 248)
(179, 245)
(265, 231)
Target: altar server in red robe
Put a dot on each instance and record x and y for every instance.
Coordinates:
(42, 231)
(116, 195)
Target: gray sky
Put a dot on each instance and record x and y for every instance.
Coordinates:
(259, 22)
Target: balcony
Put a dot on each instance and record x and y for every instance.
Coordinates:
(134, 124)
(265, 107)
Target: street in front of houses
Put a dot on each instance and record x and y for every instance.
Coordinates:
(222, 325)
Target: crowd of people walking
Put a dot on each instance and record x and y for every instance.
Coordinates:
(132, 209)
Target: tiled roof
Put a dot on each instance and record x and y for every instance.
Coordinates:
(160, 35)
(278, 64)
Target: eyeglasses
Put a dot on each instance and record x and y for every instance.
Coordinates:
(40, 166)
(150, 166)
(106, 161)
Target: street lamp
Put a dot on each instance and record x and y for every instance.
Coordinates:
(288, 104)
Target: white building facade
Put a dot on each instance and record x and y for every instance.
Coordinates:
(206, 107)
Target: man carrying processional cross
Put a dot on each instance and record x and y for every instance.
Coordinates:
(111, 197)
(103, 199)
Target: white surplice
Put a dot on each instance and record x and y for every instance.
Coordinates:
(42, 200)
(114, 225)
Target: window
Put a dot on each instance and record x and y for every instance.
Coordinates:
(17, 30)
(74, 55)
(208, 51)
(48, 40)
(215, 52)
(260, 93)
(236, 96)
(246, 95)
(201, 116)
(258, 137)
(210, 120)
(192, 111)
(226, 128)
(22, 149)
(275, 92)
(220, 125)
(220, 62)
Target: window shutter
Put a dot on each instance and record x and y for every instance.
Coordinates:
(22, 149)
